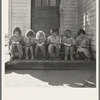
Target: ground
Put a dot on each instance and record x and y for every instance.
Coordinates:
(50, 78)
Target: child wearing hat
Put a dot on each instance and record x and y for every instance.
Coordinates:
(69, 43)
(40, 43)
(54, 44)
(29, 43)
(16, 41)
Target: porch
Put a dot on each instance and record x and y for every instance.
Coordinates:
(47, 14)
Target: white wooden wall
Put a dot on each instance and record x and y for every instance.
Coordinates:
(69, 15)
(19, 15)
(87, 20)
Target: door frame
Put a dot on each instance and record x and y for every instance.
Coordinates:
(32, 6)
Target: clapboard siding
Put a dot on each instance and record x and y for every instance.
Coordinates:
(20, 12)
(87, 20)
(69, 16)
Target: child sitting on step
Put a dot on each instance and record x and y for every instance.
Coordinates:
(16, 41)
(69, 43)
(82, 43)
(29, 43)
(40, 43)
(54, 44)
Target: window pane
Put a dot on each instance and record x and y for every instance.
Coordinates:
(52, 2)
(37, 2)
(45, 2)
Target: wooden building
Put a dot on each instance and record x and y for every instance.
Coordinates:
(47, 14)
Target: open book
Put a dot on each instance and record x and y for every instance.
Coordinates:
(66, 44)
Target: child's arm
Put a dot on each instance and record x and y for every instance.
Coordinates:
(48, 40)
(25, 43)
(73, 42)
(77, 42)
(22, 41)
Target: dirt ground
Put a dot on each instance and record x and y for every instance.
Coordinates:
(50, 78)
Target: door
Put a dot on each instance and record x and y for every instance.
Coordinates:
(45, 15)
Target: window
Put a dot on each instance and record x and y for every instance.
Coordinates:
(84, 21)
(88, 19)
(45, 2)
(37, 2)
(52, 2)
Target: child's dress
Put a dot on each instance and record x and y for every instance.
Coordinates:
(69, 41)
(83, 45)
(54, 45)
(55, 41)
(40, 41)
(16, 40)
(69, 44)
(40, 44)
(29, 41)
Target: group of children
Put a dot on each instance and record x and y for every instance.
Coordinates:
(54, 43)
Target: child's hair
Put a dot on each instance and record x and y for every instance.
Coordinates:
(38, 34)
(53, 30)
(30, 33)
(68, 30)
(81, 31)
(17, 29)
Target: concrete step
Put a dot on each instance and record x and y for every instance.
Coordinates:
(50, 65)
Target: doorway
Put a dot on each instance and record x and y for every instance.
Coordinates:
(45, 15)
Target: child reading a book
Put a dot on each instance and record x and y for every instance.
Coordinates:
(40, 43)
(54, 44)
(82, 43)
(69, 43)
(29, 43)
(16, 41)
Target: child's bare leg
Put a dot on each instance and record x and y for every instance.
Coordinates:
(66, 52)
(71, 53)
(12, 49)
(32, 54)
(19, 49)
(36, 50)
(50, 50)
(57, 51)
(43, 50)
(26, 52)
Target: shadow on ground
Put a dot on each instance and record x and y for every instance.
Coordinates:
(65, 78)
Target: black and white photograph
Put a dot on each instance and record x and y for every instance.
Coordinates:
(51, 46)
(50, 43)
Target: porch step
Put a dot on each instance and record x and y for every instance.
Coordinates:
(51, 65)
